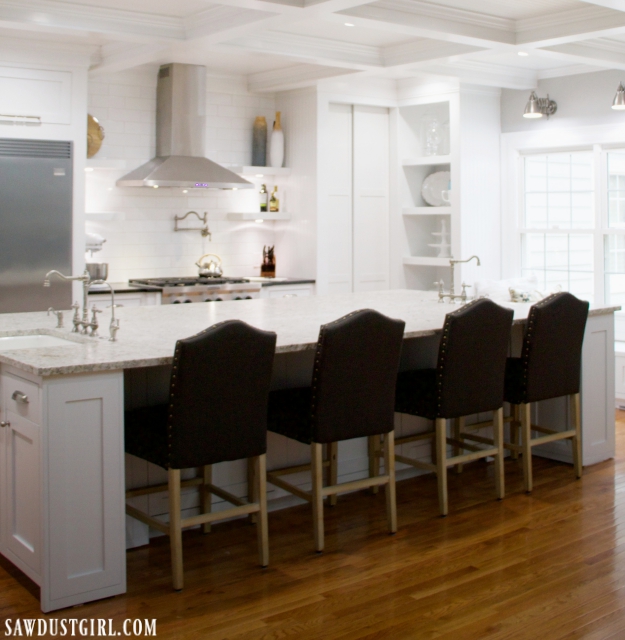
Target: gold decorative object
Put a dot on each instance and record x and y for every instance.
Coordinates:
(95, 135)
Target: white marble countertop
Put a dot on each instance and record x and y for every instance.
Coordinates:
(148, 335)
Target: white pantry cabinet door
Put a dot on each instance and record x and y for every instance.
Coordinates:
(371, 198)
(338, 217)
(21, 459)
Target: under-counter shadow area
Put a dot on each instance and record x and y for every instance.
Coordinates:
(547, 565)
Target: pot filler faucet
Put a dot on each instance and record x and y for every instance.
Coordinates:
(83, 325)
(451, 295)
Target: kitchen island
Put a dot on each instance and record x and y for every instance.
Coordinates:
(63, 474)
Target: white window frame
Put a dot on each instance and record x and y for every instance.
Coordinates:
(545, 139)
(599, 223)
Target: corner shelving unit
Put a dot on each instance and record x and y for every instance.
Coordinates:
(422, 222)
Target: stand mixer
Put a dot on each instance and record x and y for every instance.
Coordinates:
(97, 270)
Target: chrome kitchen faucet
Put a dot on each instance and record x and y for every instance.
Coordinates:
(452, 295)
(83, 325)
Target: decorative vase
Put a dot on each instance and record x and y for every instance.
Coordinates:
(276, 146)
(431, 135)
(259, 142)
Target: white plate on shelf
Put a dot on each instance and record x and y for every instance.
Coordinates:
(433, 187)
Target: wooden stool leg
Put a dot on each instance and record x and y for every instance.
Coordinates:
(374, 459)
(441, 466)
(260, 489)
(433, 455)
(526, 441)
(252, 495)
(458, 429)
(389, 470)
(514, 430)
(498, 439)
(207, 496)
(317, 497)
(577, 439)
(175, 530)
(333, 449)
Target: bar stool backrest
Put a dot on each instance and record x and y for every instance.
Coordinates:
(552, 347)
(472, 359)
(356, 364)
(218, 395)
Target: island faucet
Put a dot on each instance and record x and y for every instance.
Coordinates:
(114, 324)
(85, 278)
(452, 295)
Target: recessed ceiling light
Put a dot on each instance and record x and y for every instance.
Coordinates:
(523, 53)
(260, 175)
(350, 24)
(259, 220)
(185, 191)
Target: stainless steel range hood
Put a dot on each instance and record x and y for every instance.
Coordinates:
(180, 134)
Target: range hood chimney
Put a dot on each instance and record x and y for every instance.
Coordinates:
(180, 134)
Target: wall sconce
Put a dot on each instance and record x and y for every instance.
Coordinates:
(619, 99)
(538, 107)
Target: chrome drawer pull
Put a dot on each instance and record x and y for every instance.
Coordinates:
(20, 397)
(5, 424)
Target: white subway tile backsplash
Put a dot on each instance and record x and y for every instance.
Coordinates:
(143, 243)
(218, 98)
(125, 90)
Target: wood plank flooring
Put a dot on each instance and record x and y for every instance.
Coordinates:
(546, 566)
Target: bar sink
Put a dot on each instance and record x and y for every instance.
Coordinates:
(34, 341)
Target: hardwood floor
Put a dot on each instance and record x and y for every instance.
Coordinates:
(546, 566)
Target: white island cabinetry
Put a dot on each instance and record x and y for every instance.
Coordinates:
(20, 470)
(62, 457)
(62, 483)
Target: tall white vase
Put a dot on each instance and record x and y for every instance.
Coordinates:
(276, 144)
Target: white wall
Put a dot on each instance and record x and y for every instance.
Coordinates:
(583, 100)
(140, 240)
(296, 240)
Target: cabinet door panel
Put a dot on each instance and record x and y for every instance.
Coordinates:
(337, 256)
(371, 198)
(23, 501)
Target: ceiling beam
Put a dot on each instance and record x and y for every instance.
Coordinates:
(484, 73)
(294, 77)
(427, 20)
(582, 23)
(118, 22)
(617, 5)
(123, 58)
(577, 53)
(309, 49)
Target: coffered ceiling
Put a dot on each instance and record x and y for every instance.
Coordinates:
(281, 44)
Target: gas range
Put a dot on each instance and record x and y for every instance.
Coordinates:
(198, 289)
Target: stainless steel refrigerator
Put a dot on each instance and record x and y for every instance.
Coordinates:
(35, 223)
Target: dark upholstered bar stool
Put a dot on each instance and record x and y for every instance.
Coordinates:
(209, 418)
(549, 367)
(468, 379)
(351, 396)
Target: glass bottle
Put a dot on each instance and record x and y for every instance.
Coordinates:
(274, 203)
(264, 196)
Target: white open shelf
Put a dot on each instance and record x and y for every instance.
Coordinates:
(260, 215)
(426, 160)
(426, 211)
(104, 216)
(261, 172)
(422, 261)
(104, 163)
